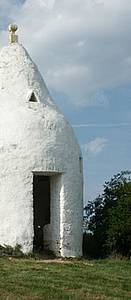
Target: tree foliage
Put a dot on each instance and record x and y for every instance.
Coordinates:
(108, 218)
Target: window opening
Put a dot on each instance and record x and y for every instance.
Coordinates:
(80, 164)
(33, 98)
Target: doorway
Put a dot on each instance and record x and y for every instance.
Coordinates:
(41, 205)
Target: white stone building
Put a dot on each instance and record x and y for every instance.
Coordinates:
(40, 162)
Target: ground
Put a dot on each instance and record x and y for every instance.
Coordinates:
(30, 279)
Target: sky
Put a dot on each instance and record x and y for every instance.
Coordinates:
(83, 50)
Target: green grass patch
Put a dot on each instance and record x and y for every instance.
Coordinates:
(30, 279)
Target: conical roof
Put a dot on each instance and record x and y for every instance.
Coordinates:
(20, 76)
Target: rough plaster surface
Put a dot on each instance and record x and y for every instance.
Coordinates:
(35, 138)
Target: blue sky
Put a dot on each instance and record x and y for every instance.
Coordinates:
(83, 50)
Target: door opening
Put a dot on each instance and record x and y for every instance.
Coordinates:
(41, 205)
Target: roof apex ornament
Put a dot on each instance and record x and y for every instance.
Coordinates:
(13, 38)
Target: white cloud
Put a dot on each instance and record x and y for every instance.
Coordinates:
(81, 47)
(95, 146)
(106, 125)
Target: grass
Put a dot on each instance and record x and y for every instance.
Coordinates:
(30, 279)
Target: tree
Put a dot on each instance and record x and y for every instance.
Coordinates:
(119, 226)
(109, 217)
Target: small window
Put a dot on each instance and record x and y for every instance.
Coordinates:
(32, 98)
(80, 164)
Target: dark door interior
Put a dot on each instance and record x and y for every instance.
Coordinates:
(41, 196)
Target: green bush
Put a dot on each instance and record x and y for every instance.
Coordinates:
(7, 250)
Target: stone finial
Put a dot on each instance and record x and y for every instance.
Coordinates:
(13, 38)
